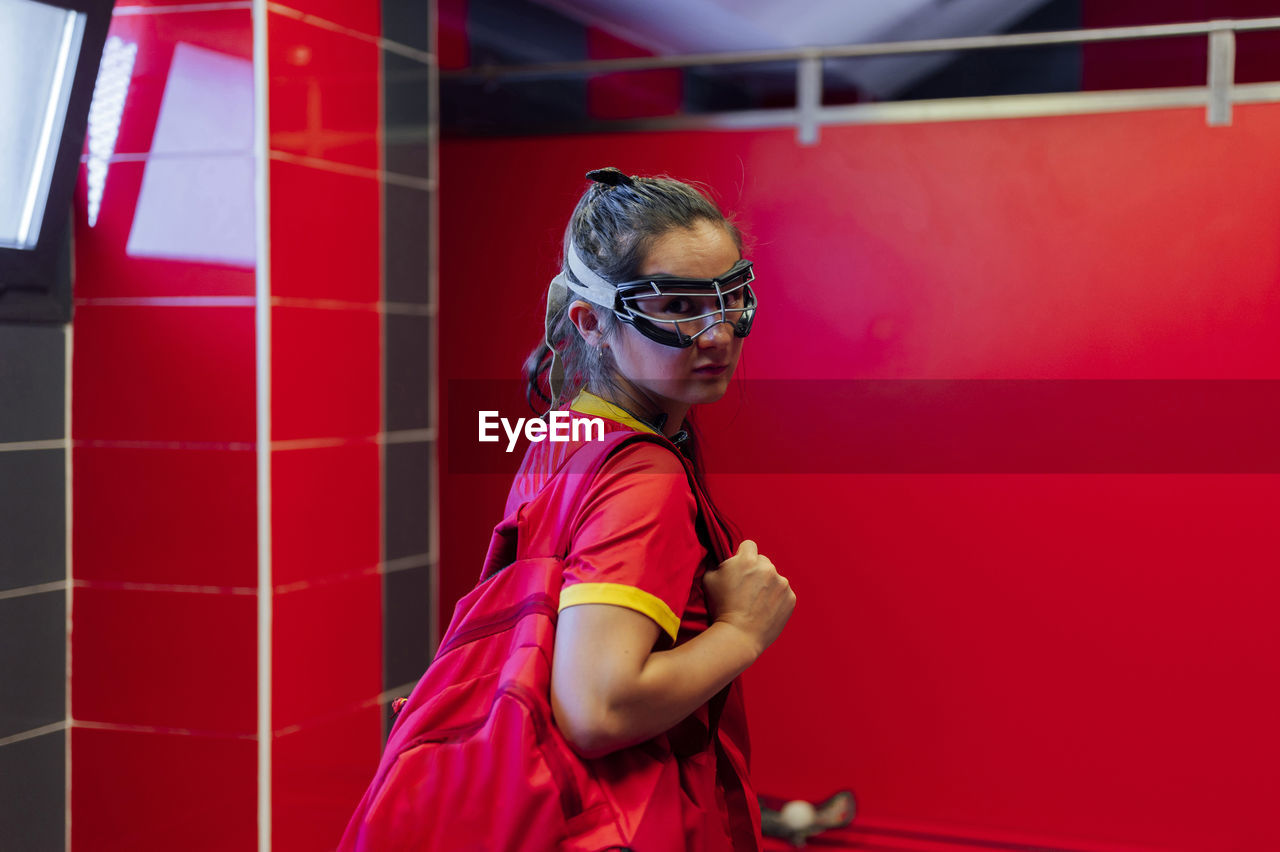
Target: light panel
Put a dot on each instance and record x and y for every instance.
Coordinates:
(39, 49)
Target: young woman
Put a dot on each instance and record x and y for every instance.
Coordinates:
(646, 319)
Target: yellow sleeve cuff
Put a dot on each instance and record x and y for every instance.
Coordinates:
(620, 595)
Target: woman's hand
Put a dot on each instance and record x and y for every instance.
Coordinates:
(747, 592)
(610, 689)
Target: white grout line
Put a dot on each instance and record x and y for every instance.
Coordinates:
(402, 436)
(33, 733)
(324, 165)
(379, 173)
(163, 445)
(171, 301)
(39, 589)
(69, 353)
(409, 309)
(396, 692)
(425, 184)
(321, 443)
(262, 325)
(408, 436)
(155, 729)
(323, 304)
(406, 51)
(410, 181)
(333, 580)
(178, 588)
(28, 446)
(325, 24)
(325, 718)
(405, 563)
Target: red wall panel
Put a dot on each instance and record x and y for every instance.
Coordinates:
(167, 360)
(364, 17)
(180, 661)
(1066, 659)
(133, 790)
(320, 250)
(324, 515)
(180, 517)
(321, 771)
(337, 622)
(324, 372)
(323, 91)
(163, 373)
(1173, 61)
(164, 647)
(326, 406)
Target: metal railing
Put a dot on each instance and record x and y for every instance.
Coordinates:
(1218, 95)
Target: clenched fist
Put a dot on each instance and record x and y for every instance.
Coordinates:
(749, 593)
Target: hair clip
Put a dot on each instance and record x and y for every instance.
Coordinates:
(610, 176)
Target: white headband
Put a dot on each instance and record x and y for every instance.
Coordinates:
(589, 286)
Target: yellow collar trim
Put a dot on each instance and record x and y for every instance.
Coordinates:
(590, 404)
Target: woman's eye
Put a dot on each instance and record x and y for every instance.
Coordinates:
(679, 306)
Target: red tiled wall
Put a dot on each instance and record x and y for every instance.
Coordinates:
(325, 415)
(165, 516)
(1053, 659)
(164, 612)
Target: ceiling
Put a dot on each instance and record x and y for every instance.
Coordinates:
(709, 26)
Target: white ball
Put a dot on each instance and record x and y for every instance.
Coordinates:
(797, 815)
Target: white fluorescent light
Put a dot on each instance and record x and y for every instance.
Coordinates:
(41, 47)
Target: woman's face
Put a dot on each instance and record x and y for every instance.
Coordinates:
(677, 378)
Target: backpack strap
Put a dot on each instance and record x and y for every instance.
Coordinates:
(581, 467)
(724, 548)
(583, 464)
(721, 545)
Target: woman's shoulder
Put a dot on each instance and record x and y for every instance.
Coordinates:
(642, 479)
(644, 456)
(548, 462)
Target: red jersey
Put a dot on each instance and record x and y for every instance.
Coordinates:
(639, 542)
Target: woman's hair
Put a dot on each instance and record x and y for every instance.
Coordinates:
(614, 225)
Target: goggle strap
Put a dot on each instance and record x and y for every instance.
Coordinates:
(589, 285)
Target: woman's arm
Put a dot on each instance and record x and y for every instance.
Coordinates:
(610, 690)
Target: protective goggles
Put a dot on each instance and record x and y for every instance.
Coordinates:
(677, 311)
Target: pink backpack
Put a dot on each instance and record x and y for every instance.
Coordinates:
(474, 760)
